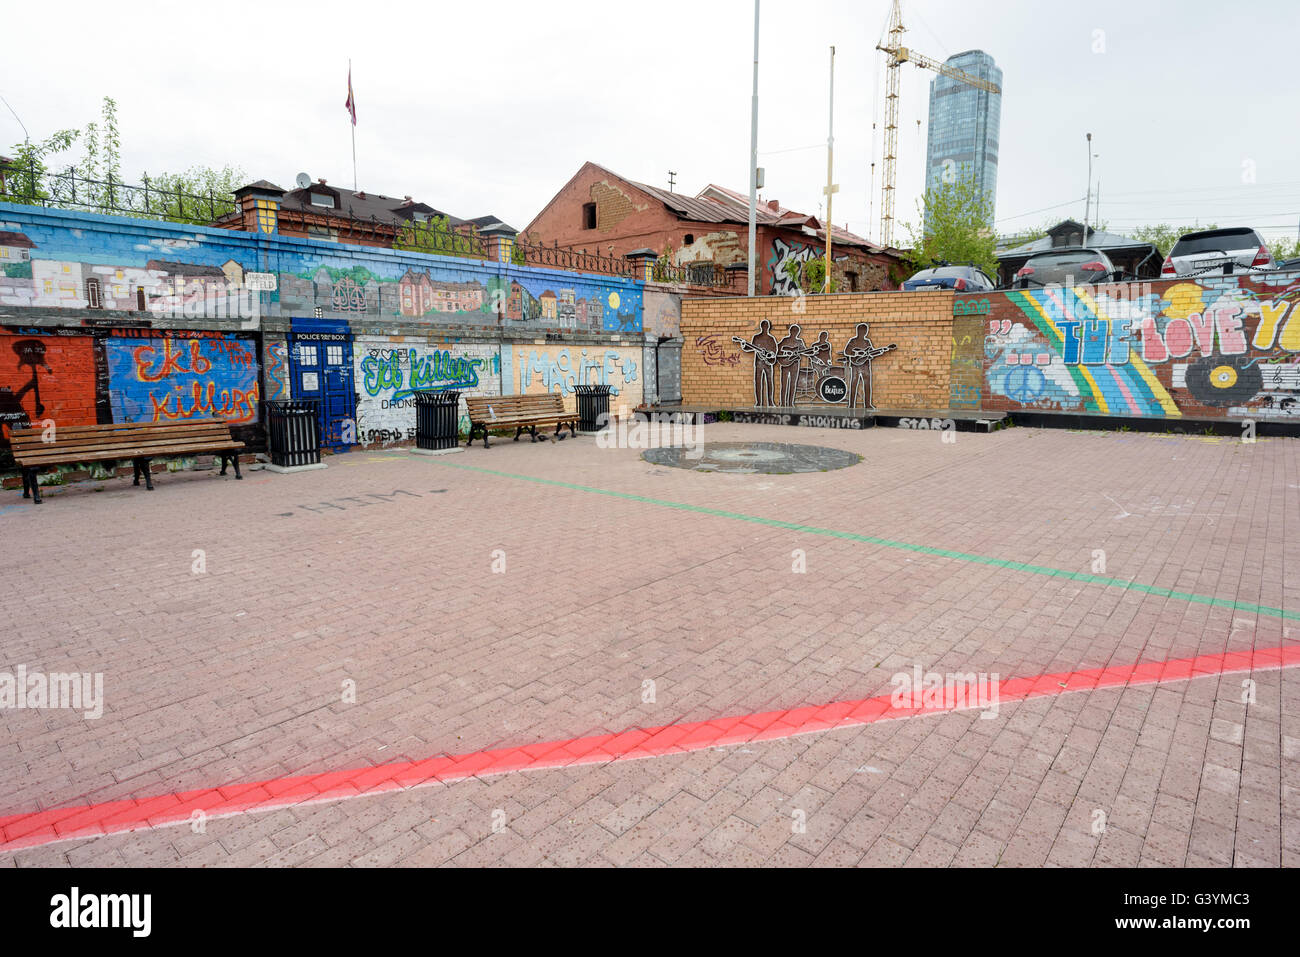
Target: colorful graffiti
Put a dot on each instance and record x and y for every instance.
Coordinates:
(277, 369)
(785, 255)
(390, 370)
(1214, 346)
(548, 369)
(184, 375)
(45, 376)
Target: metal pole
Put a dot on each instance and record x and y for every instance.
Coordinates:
(354, 131)
(1087, 205)
(753, 165)
(830, 175)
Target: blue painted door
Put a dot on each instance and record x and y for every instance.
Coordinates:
(320, 361)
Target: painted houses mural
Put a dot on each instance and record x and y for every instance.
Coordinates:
(162, 322)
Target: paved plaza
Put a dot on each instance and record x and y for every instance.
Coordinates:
(560, 654)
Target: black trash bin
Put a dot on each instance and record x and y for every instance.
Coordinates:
(593, 402)
(293, 429)
(437, 420)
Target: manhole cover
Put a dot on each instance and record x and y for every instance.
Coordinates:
(767, 458)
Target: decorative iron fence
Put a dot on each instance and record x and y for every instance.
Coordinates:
(35, 186)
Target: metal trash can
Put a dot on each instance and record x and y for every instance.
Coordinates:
(293, 428)
(437, 420)
(593, 402)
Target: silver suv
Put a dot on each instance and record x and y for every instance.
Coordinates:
(1216, 251)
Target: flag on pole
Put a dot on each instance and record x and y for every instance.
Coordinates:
(351, 104)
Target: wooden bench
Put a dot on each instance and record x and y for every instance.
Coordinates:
(524, 412)
(141, 442)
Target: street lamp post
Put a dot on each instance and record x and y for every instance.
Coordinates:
(753, 164)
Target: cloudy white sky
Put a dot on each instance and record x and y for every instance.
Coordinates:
(483, 108)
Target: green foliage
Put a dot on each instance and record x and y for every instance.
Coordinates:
(437, 237)
(197, 196)
(25, 180)
(1163, 236)
(810, 276)
(1283, 249)
(518, 255)
(957, 227)
(21, 270)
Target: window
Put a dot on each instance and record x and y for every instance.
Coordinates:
(4, 252)
(688, 238)
(334, 355)
(852, 277)
(93, 297)
(49, 287)
(320, 199)
(588, 215)
(139, 299)
(307, 355)
(322, 232)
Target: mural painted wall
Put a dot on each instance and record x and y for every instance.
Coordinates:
(86, 262)
(390, 369)
(553, 368)
(182, 375)
(45, 375)
(1222, 346)
(83, 377)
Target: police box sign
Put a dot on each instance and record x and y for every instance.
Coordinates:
(832, 389)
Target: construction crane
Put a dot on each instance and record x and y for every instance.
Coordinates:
(898, 55)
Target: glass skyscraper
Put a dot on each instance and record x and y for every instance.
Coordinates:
(964, 125)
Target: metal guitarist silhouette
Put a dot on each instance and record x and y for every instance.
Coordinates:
(858, 354)
(789, 356)
(764, 349)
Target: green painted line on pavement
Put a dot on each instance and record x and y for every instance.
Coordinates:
(1087, 577)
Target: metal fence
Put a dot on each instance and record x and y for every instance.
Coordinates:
(35, 186)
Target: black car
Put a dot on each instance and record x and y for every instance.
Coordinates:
(945, 276)
(1075, 265)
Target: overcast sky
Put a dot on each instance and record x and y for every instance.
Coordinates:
(490, 107)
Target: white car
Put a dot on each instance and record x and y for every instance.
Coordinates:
(1217, 252)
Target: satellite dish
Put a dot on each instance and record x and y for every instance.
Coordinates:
(303, 180)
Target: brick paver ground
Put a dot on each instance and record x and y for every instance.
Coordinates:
(379, 571)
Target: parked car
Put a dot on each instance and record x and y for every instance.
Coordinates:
(1217, 250)
(945, 276)
(1078, 264)
(1289, 264)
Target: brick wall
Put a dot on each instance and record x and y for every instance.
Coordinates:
(915, 376)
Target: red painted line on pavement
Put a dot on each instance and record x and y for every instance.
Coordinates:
(116, 817)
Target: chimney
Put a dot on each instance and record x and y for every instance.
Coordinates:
(321, 181)
(773, 205)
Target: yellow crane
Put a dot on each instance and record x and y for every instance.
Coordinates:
(898, 55)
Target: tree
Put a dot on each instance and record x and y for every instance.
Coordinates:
(1283, 249)
(957, 227)
(198, 196)
(1163, 236)
(25, 180)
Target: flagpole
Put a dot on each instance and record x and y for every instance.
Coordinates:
(354, 130)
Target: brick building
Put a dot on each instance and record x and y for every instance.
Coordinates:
(322, 211)
(598, 211)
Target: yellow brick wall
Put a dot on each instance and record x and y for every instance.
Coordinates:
(915, 376)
